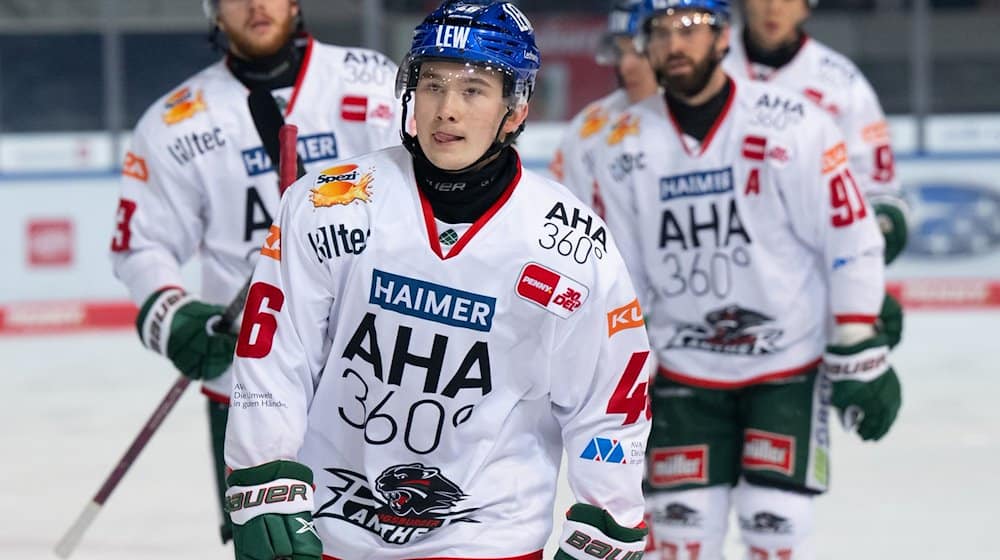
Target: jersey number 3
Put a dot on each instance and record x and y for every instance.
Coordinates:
(123, 226)
(630, 399)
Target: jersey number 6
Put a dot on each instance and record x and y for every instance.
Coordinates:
(257, 330)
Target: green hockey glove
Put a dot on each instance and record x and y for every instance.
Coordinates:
(865, 387)
(180, 327)
(892, 222)
(890, 320)
(591, 532)
(271, 508)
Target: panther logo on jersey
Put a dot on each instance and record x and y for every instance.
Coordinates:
(409, 502)
(677, 513)
(766, 522)
(417, 490)
(730, 330)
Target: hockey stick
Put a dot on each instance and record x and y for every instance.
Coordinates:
(71, 539)
(288, 172)
(279, 142)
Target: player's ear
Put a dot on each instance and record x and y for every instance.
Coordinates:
(295, 8)
(722, 42)
(516, 118)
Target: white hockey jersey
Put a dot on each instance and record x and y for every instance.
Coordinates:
(197, 178)
(432, 396)
(833, 82)
(745, 243)
(573, 163)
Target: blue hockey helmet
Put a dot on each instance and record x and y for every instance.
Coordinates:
(652, 8)
(486, 33)
(717, 10)
(623, 21)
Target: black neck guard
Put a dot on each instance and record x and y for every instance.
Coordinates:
(462, 197)
(776, 58)
(697, 120)
(270, 72)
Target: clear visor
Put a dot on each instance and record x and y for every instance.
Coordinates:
(671, 24)
(468, 78)
(612, 47)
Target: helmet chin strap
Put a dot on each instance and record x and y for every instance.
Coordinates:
(412, 145)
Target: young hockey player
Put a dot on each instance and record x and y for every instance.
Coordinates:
(430, 327)
(198, 179)
(761, 299)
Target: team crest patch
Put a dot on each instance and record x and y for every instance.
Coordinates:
(730, 330)
(182, 105)
(547, 288)
(626, 125)
(408, 502)
(341, 185)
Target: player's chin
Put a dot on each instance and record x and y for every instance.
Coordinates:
(449, 160)
(263, 45)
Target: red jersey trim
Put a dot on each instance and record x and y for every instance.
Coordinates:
(537, 555)
(432, 232)
(214, 397)
(715, 126)
(866, 319)
(302, 75)
(762, 378)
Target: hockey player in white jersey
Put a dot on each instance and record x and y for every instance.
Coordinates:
(773, 47)
(435, 326)
(754, 287)
(573, 162)
(198, 179)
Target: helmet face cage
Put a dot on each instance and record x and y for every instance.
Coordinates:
(713, 12)
(485, 34)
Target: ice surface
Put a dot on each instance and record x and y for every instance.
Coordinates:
(72, 404)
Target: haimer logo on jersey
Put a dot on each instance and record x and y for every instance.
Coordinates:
(698, 183)
(432, 302)
(551, 290)
(317, 147)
